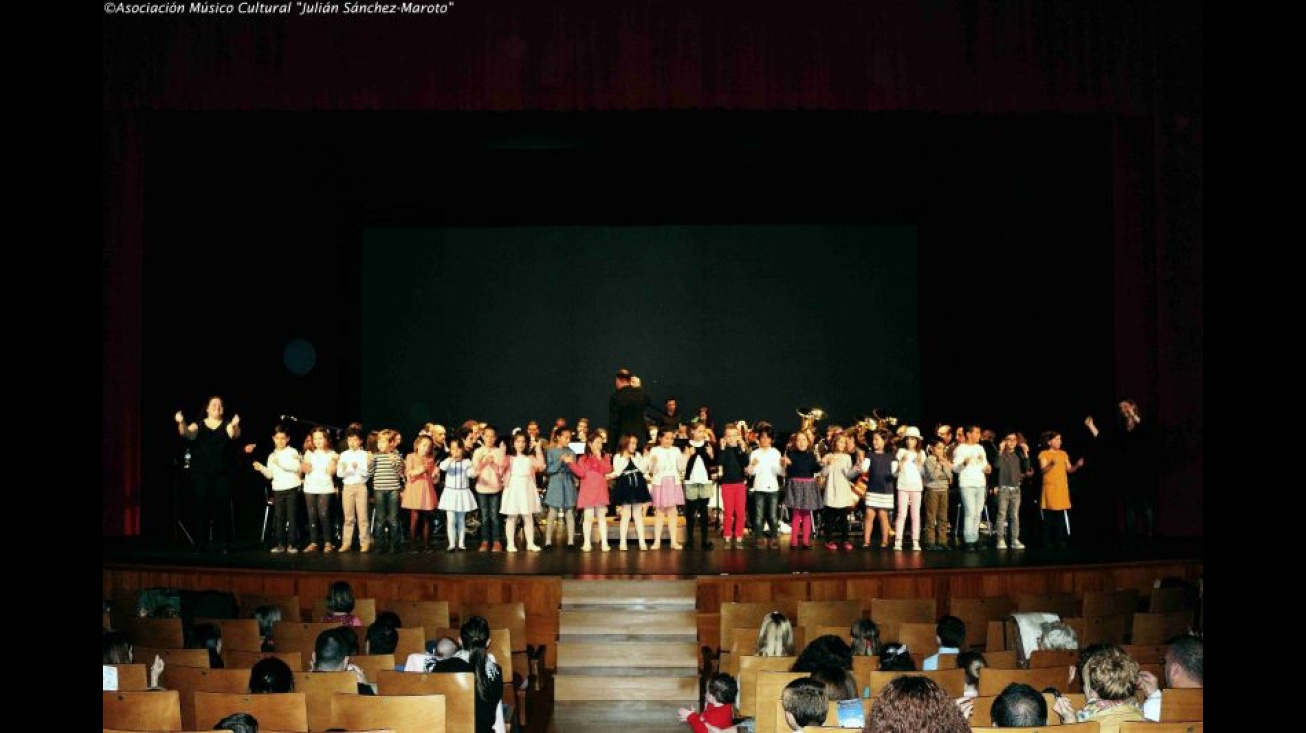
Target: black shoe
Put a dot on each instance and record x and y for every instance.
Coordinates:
(707, 545)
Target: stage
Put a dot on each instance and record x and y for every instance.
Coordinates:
(123, 553)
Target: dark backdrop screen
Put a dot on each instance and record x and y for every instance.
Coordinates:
(511, 324)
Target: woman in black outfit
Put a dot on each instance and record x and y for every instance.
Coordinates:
(210, 471)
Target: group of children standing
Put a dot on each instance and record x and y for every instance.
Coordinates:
(477, 472)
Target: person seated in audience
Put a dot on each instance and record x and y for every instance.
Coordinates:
(340, 605)
(1110, 680)
(389, 618)
(444, 650)
(1183, 669)
(270, 675)
(824, 651)
(718, 705)
(950, 633)
(895, 658)
(1058, 635)
(266, 616)
(1019, 706)
(915, 704)
(437, 652)
(118, 650)
(331, 654)
(382, 638)
(776, 637)
(972, 662)
(207, 636)
(841, 688)
(805, 703)
(475, 657)
(238, 723)
(866, 638)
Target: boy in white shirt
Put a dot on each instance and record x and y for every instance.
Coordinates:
(283, 469)
(971, 465)
(353, 467)
(765, 468)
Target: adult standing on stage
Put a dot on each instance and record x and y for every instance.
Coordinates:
(1132, 457)
(210, 471)
(626, 410)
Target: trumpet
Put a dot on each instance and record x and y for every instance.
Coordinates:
(809, 418)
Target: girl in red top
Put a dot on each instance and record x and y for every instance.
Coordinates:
(593, 469)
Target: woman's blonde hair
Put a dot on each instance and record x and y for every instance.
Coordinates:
(776, 637)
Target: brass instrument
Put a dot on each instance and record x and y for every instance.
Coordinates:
(810, 418)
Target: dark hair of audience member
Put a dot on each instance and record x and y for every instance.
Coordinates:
(1019, 706)
(271, 675)
(117, 648)
(340, 597)
(207, 636)
(475, 635)
(913, 704)
(951, 631)
(972, 661)
(331, 649)
(824, 651)
(382, 638)
(866, 638)
(894, 657)
(839, 683)
(389, 618)
(1185, 652)
(723, 687)
(238, 723)
(266, 616)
